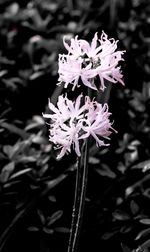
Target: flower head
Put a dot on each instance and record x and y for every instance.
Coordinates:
(88, 60)
(71, 122)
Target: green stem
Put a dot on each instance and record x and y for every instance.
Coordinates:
(80, 194)
(75, 205)
(79, 201)
(82, 200)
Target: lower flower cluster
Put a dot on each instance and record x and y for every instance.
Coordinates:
(73, 121)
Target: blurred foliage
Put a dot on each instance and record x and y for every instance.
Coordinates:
(36, 191)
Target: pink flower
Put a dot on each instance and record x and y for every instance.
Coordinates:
(97, 123)
(76, 47)
(92, 50)
(71, 70)
(88, 60)
(71, 122)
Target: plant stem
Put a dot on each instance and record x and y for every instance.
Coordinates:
(82, 199)
(80, 194)
(76, 204)
(79, 202)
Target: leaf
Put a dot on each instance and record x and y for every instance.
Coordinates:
(48, 230)
(36, 75)
(42, 217)
(145, 245)
(134, 207)
(108, 235)
(43, 169)
(17, 174)
(125, 248)
(39, 120)
(39, 140)
(2, 156)
(8, 150)
(52, 198)
(120, 215)
(26, 159)
(32, 126)
(36, 122)
(13, 151)
(6, 171)
(137, 105)
(62, 229)
(44, 161)
(143, 233)
(14, 129)
(145, 165)
(9, 230)
(106, 171)
(93, 160)
(3, 72)
(33, 229)
(125, 229)
(57, 215)
(145, 221)
(51, 184)
(10, 84)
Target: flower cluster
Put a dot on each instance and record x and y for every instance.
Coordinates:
(70, 122)
(85, 61)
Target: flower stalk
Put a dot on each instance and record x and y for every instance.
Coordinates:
(82, 199)
(72, 123)
(79, 199)
(80, 196)
(75, 206)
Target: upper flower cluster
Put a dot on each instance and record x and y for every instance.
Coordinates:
(85, 61)
(71, 122)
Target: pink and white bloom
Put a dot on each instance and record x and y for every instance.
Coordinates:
(97, 123)
(71, 70)
(71, 122)
(88, 60)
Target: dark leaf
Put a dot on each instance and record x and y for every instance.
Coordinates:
(3, 72)
(126, 229)
(26, 159)
(14, 151)
(125, 248)
(108, 235)
(52, 198)
(62, 229)
(8, 150)
(13, 129)
(57, 215)
(145, 221)
(33, 229)
(143, 233)
(145, 245)
(134, 207)
(120, 215)
(36, 75)
(51, 184)
(19, 173)
(104, 170)
(39, 140)
(48, 230)
(93, 160)
(44, 168)
(6, 171)
(145, 165)
(42, 217)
